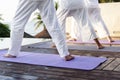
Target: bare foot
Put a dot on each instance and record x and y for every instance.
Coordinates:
(69, 58)
(53, 45)
(111, 41)
(9, 56)
(72, 39)
(101, 47)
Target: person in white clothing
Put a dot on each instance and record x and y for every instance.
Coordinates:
(47, 11)
(77, 9)
(96, 20)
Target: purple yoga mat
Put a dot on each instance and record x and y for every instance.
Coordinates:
(116, 42)
(80, 62)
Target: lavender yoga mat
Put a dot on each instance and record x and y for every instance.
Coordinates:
(116, 42)
(80, 62)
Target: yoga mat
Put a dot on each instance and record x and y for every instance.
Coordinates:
(54, 60)
(116, 42)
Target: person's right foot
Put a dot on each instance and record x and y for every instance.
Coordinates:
(69, 58)
(100, 47)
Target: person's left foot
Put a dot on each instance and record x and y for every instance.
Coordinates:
(9, 56)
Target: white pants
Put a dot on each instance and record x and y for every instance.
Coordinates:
(81, 17)
(47, 10)
(96, 19)
(97, 22)
(94, 16)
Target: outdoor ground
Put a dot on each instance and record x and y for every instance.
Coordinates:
(109, 70)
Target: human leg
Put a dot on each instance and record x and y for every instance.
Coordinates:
(110, 39)
(50, 19)
(24, 10)
(86, 27)
(62, 15)
(98, 23)
(99, 45)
